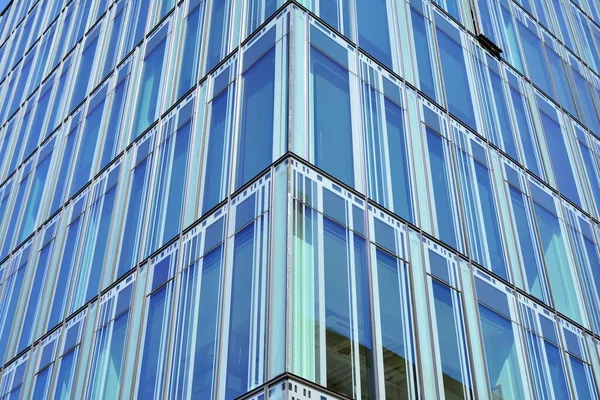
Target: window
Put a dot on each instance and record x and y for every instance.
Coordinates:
(332, 126)
(149, 93)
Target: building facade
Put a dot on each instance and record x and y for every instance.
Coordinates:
(312, 199)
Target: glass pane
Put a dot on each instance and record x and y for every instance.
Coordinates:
(255, 150)
(373, 31)
(501, 355)
(332, 124)
(148, 95)
(396, 335)
(456, 81)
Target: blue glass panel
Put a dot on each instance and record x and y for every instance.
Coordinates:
(30, 216)
(165, 7)
(373, 30)
(148, 95)
(491, 296)
(177, 184)
(536, 63)
(426, 83)
(37, 286)
(557, 263)
(99, 248)
(367, 367)
(258, 11)
(115, 356)
(140, 15)
(111, 50)
(10, 307)
(115, 118)
(219, 23)
(526, 244)
(331, 117)
(218, 150)
(154, 342)
(14, 217)
(239, 357)
(337, 308)
(41, 385)
(208, 317)
(490, 218)
(526, 136)
(255, 150)
(560, 80)
(64, 381)
(65, 167)
(456, 81)
(503, 118)
(191, 49)
(582, 380)
(585, 100)
(399, 167)
(21, 136)
(64, 273)
(37, 124)
(84, 13)
(560, 158)
(83, 72)
(501, 355)
(336, 13)
(87, 149)
(20, 87)
(133, 222)
(557, 371)
(396, 346)
(592, 172)
(54, 116)
(450, 340)
(441, 188)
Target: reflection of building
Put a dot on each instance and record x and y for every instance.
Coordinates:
(318, 199)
